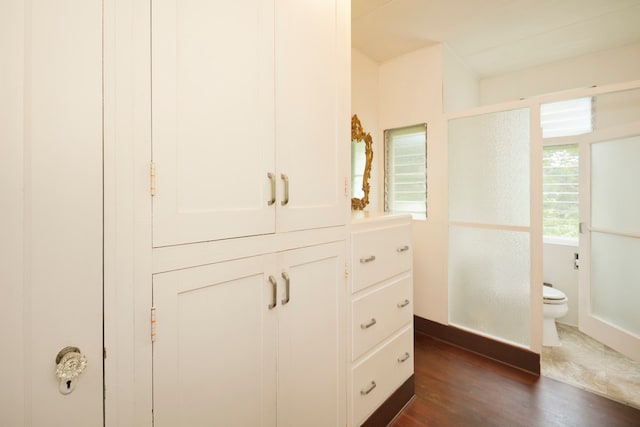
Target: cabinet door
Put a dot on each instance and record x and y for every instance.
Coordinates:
(214, 357)
(311, 348)
(312, 114)
(212, 119)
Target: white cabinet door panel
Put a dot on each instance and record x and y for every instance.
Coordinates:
(312, 136)
(214, 358)
(212, 119)
(311, 355)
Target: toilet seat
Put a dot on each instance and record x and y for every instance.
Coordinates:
(553, 296)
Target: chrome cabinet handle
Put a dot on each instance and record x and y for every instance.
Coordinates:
(403, 248)
(274, 291)
(272, 178)
(369, 389)
(369, 324)
(287, 281)
(285, 179)
(403, 358)
(369, 259)
(403, 303)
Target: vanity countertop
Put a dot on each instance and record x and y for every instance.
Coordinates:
(359, 217)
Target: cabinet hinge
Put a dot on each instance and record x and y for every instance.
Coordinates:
(346, 187)
(153, 324)
(152, 176)
(104, 352)
(346, 272)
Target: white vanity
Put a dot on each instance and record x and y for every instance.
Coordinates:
(381, 312)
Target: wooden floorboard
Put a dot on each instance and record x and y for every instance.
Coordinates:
(455, 387)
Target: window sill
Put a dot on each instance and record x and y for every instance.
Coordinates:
(560, 241)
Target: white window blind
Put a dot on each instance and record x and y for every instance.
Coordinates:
(406, 170)
(560, 191)
(565, 118)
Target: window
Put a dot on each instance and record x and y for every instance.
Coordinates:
(564, 118)
(405, 175)
(560, 183)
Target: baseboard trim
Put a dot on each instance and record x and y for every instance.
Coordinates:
(393, 405)
(502, 352)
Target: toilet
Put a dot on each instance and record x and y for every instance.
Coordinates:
(554, 306)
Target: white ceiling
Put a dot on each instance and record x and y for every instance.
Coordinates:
(495, 36)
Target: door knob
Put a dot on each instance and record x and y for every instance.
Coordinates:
(70, 363)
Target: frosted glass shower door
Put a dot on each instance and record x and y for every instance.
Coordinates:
(490, 225)
(610, 281)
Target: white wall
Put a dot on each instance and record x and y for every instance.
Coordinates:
(606, 67)
(410, 93)
(461, 85)
(364, 103)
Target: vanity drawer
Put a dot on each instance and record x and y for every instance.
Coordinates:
(378, 314)
(379, 375)
(380, 253)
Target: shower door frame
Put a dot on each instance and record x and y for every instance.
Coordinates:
(608, 334)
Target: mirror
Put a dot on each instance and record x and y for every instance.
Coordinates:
(360, 171)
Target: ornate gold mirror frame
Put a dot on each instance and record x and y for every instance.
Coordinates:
(359, 135)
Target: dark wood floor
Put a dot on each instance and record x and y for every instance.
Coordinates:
(455, 387)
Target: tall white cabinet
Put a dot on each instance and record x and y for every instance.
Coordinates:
(249, 173)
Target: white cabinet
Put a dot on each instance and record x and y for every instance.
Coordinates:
(249, 143)
(251, 341)
(381, 313)
(249, 117)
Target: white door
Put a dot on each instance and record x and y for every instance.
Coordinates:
(311, 338)
(51, 198)
(610, 243)
(214, 355)
(312, 114)
(212, 120)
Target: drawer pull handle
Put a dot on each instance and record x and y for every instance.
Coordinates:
(366, 260)
(403, 248)
(368, 325)
(274, 292)
(287, 288)
(403, 303)
(369, 389)
(403, 358)
(272, 180)
(285, 180)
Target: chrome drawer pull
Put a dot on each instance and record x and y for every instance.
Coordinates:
(369, 389)
(285, 180)
(403, 303)
(368, 325)
(403, 248)
(287, 290)
(274, 292)
(404, 358)
(272, 179)
(366, 260)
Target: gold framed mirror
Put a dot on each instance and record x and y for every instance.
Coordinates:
(358, 135)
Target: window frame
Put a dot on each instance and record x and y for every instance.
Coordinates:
(387, 134)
